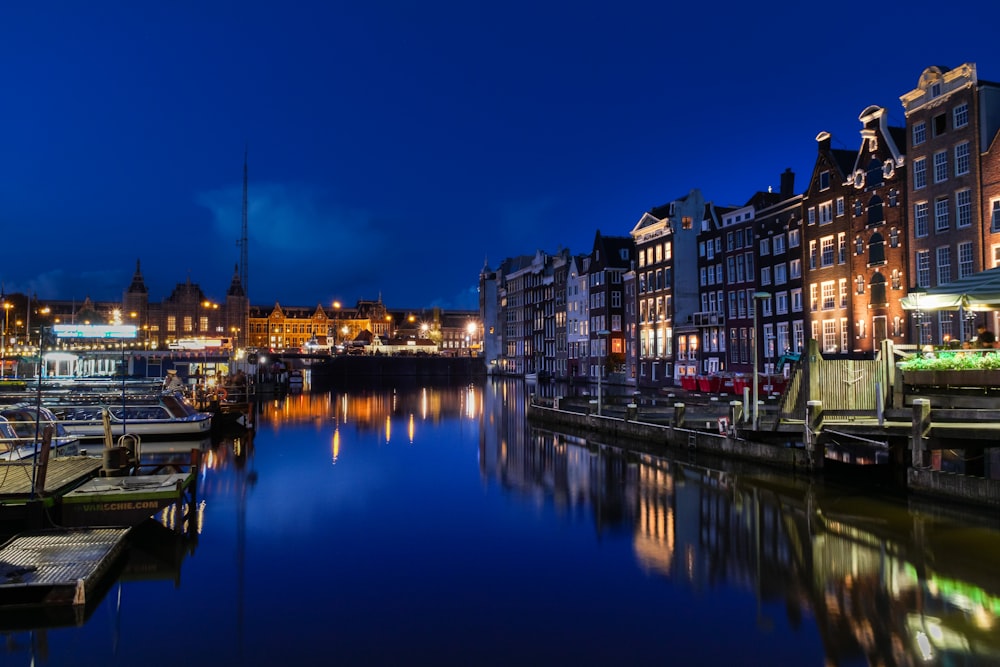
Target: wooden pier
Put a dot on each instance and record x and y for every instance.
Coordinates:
(57, 567)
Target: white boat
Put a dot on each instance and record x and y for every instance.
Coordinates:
(22, 427)
(163, 414)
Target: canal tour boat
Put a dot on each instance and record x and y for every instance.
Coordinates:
(166, 414)
(21, 427)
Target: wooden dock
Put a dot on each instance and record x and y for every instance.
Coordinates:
(20, 507)
(57, 567)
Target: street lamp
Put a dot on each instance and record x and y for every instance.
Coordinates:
(601, 337)
(757, 296)
(3, 353)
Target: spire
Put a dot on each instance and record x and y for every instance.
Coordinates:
(138, 285)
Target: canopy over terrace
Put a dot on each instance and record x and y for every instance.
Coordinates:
(975, 293)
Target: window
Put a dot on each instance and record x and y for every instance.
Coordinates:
(779, 244)
(812, 255)
(781, 303)
(920, 213)
(893, 198)
(829, 297)
(730, 242)
(940, 166)
(830, 336)
(962, 158)
(843, 292)
(824, 180)
(794, 238)
(780, 276)
(963, 208)
(920, 173)
(875, 214)
(859, 284)
(897, 279)
(923, 268)
(919, 133)
(811, 215)
(795, 268)
(965, 259)
(826, 212)
(840, 206)
(941, 214)
(961, 114)
(877, 286)
(798, 336)
(893, 238)
(858, 208)
(813, 299)
(875, 175)
(765, 247)
(939, 124)
(995, 216)
(876, 250)
(859, 245)
(841, 248)
(943, 265)
(826, 255)
(797, 300)
(765, 275)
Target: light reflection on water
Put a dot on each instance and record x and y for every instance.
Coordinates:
(432, 524)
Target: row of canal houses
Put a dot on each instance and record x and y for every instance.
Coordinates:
(685, 290)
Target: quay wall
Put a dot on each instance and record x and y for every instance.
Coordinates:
(708, 442)
(953, 486)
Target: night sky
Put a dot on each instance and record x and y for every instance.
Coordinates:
(395, 146)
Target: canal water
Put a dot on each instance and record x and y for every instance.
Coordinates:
(433, 525)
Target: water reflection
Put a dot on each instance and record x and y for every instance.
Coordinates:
(885, 582)
(422, 537)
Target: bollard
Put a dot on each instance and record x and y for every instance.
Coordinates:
(592, 408)
(679, 415)
(735, 412)
(921, 431)
(813, 427)
(631, 411)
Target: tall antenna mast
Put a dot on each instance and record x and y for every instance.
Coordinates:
(244, 268)
(243, 238)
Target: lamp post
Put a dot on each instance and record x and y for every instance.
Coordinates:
(757, 296)
(601, 337)
(3, 352)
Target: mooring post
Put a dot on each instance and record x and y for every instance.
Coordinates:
(921, 431)
(813, 427)
(679, 415)
(735, 412)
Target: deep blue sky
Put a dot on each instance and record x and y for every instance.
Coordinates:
(394, 146)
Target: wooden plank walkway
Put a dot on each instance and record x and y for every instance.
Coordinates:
(57, 567)
(63, 472)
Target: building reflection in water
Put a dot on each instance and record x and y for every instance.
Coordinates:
(879, 577)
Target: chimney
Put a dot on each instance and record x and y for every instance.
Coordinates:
(787, 183)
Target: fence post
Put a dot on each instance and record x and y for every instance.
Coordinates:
(921, 431)
(813, 427)
(679, 415)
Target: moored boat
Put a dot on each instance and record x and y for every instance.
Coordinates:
(22, 429)
(161, 414)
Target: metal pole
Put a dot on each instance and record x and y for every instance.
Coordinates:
(756, 305)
